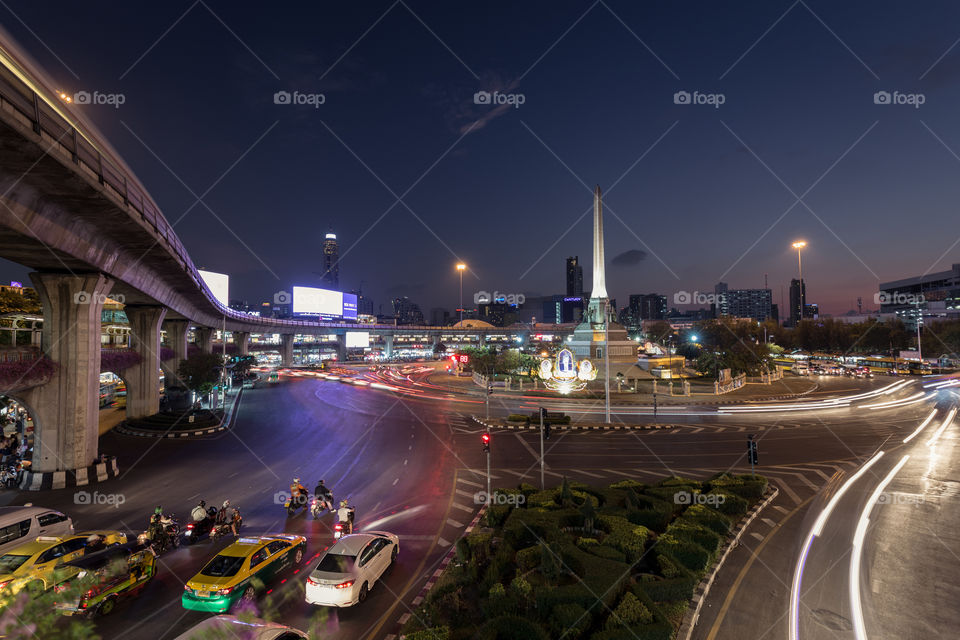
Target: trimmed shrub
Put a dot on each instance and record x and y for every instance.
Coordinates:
(667, 567)
(526, 527)
(708, 517)
(606, 551)
(433, 633)
(629, 612)
(668, 590)
(569, 620)
(696, 533)
(750, 488)
(628, 538)
(511, 627)
(689, 554)
(528, 558)
(499, 602)
(627, 484)
(521, 592)
(496, 514)
(654, 519)
(518, 417)
(732, 505)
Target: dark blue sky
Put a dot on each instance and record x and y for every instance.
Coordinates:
(697, 189)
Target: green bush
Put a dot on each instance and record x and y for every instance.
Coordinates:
(569, 621)
(522, 592)
(750, 488)
(627, 484)
(630, 612)
(499, 602)
(496, 514)
(528, 558)
(672, 589)
(518, 417)
(606, 551)
(689, 554)
(501, 567)
(433, 633)
(525, 527)
(511, 627)
(732, 504)
(628, 538)
(668, 569)
(708, 517)
(653, 519)
(696, 533)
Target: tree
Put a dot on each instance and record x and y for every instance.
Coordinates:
(26, 302)
(658, 331)
(199, 372)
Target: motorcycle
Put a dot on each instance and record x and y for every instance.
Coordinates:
(170, 541)
(223, 529)
(295, 502)
(317, 505)
(344, 527)
(197, 529)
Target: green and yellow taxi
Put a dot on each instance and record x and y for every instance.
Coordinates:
(93, 584)
(241, 570)
(31, 565)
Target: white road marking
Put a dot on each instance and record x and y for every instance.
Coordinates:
(395, 481)
(454, 523)
(443, 543)
(767, 521)
(756, 535)
(782, 510)
(461, 507)
(404, 462)
(587, 473)
(470, 483)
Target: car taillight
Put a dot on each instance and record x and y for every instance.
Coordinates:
(224, 592)
(60, 588)
(4, 583)
(187, 589)
(345, 585)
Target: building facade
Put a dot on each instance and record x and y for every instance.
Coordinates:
(574, 277)
(330, 275)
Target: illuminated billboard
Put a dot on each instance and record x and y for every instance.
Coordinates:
(349, 306)
(358, 339)
(317, 302)
(219, 285)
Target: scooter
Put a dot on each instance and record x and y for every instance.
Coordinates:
(317, 505)
(172, 541)
(197, 529)
(223, 529)
(293, 503)
(344, 528)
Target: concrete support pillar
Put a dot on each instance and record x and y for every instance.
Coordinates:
(286, 349)
(388, 346)
(482, 340)
(341, 348)
(204, 338)
(66, 409)
(143, 381)
(242, 340)
(177, 341)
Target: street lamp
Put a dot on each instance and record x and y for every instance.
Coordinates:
(461, 267)
(799, 245)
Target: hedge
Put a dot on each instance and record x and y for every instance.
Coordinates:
(525, 527)
(697, 533)
(569, 620)
(708, 517)
(433, 633)
(606, 551)
(528, 558)
(732, 505)
(667, 590)
(624, 536)
(511, 627)
(689, 554)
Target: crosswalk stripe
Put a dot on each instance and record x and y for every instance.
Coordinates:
(790, 492)
(756, 535)
(782, 510)
(768, 522)
(470, 482)
(454, 523)
(443, 543)
(457, 505)
(802, 478)
(466, 494)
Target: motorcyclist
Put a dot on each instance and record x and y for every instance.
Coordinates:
(227, 516)
(95, 542)
(323, 495)
(298, 492)
(345, 516)
(158, 527)
(199, 512)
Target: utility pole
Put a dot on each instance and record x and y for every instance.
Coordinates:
(489, 393)
(542, 412)
(486, 448)
(919, 348)
(606, 362)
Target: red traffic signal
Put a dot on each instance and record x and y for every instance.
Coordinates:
(486, 438)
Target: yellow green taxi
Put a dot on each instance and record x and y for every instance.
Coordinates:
(93, 584)
(241, 570)
(31, 565)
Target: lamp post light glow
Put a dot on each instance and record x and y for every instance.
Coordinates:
(799, 245)
(461, 267)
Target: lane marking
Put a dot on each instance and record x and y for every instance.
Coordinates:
(454, 523)
(457, 505)
(756, 535)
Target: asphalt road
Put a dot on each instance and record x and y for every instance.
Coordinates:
(390, 456)
(412, 463)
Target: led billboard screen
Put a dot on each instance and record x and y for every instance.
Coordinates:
(318, 302)
(219, 285)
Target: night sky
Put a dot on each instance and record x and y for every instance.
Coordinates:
(694, 193)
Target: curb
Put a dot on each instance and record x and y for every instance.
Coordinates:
(447, 559)
(43, 480)
(703, 589)
(575, 427)
(149, 433)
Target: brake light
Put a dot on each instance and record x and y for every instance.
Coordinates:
(345, 585)
(314, 583)
(190, 526)
(338, 527)
(224, 592)
(187, 589)
(60, 588)
(4, 583)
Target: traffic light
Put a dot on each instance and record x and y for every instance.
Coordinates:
(752, 450)
(546, 430)
(486, 442)
(489, 389)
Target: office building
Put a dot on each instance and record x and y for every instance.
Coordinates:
(330, 274)
(798, 298)
(744, 303)
(574, 277)
(407, 312)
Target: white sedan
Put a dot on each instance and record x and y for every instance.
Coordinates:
(227, 626)
(349, 569)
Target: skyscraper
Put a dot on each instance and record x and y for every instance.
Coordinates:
(574, 277)
(798, 298)
(330, 276)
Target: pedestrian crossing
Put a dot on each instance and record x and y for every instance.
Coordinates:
(797, 482)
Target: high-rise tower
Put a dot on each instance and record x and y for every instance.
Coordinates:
(330, 276)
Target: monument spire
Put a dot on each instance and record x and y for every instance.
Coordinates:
(599, 281)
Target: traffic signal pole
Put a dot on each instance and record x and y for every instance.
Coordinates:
(542, 411)
(488, 464)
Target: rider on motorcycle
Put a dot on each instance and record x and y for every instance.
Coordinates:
(158, 526)
(345, 516)
(199, 512)
(323, 495)
(227, 515)
(298, 493)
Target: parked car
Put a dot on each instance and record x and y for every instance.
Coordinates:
(22, 524)
(350, 568)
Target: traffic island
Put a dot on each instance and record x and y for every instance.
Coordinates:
(616, 562)
(521, 423)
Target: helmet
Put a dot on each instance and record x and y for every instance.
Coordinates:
(296, 481)
(343, 502)
(203, 503)
(226, 503)
(321, 482)
(158, 510)
(93, 537)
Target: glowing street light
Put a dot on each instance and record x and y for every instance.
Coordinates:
(461, 267)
